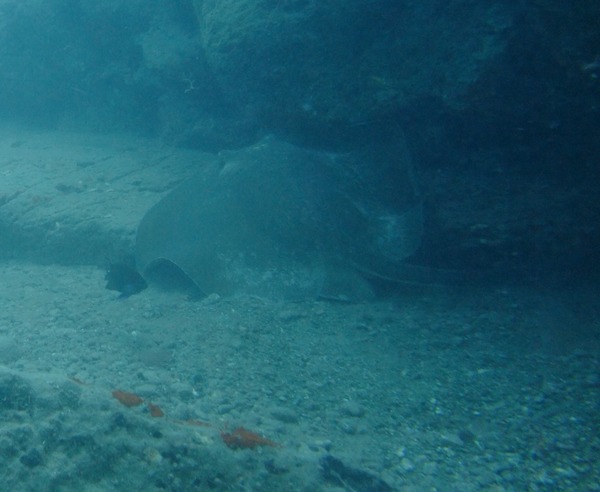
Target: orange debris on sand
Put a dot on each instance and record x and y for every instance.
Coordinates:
(241, 438)
(155, 410)
(194, 422)
(127, 399)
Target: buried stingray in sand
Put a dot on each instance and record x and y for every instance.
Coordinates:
(281, 222)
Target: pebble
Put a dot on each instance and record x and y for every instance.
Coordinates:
(351, 408)
(347, 426)
(32, 458)
(430, 468)
(213, 298)
(325, 444)
(184, 391)
(285, 415)
(290, 315)
(9, 351)
(225, 409)
(407, 465)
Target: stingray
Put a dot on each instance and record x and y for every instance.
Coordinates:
(282, 222)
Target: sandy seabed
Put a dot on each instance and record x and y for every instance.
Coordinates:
(487, 389)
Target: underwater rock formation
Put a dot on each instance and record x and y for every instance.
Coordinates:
(298, 64)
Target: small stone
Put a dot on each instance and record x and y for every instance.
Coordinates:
(352, 409)
(9, 351)
(289, 315)
(152, 456)
(452, 439)
(275, 468)
(32, 458)
(285, 415)
(407, 465)
(348, 427)
(225, 408)
(184, 391)
(213, 298)
(466, 436)
(325, 444)
(430, 468)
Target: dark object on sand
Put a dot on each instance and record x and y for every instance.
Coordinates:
(336, 472)
(124, 279)
(282, 222)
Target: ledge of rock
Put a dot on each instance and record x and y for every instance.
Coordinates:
(78, 199)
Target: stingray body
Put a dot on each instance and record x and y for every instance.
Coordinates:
(282, 222)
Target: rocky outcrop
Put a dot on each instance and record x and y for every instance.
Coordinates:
(327, 65)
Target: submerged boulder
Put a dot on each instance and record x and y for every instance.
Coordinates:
(303, 64)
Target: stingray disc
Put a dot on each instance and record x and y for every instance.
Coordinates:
(276, 221)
